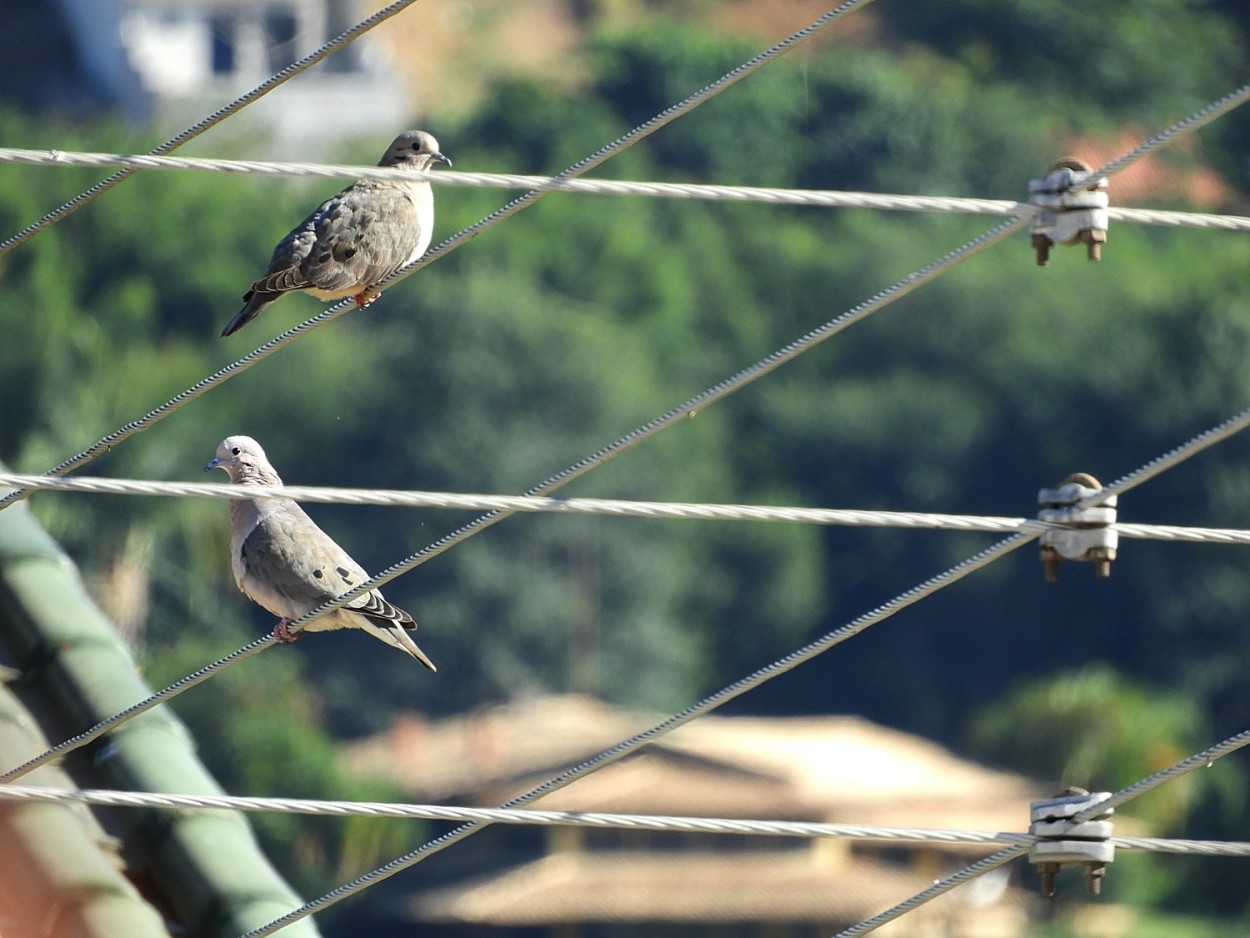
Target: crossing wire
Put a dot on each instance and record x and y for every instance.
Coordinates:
(815, 198)
(709, 396)
(584, 466)
(622, 749)
(1210, 113)
(550, 484)
(939, 888)
(620, 508)
(592, 819)
(1202, 759)
(600, 156)
(213, 119)
(1221, 431)
(1188, 125)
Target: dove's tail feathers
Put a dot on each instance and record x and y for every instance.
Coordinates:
(389, 623)
(253, 306)
(404, 641)
(395, 634)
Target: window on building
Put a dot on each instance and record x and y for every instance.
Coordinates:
(221, 30)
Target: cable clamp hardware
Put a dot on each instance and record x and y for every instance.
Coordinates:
(1087, 534)
(1068, 843)
(1071, 211)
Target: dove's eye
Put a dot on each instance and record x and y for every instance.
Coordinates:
(235, 451)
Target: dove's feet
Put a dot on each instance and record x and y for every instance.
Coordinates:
(365, 298)
(282, 631)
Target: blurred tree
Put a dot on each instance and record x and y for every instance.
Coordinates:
(1097, 730)
(1094, 729)
(1134, 58)
(584, 318)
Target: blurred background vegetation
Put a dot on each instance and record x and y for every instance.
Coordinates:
(585, 317)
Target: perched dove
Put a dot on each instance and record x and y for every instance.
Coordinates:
(355, 239)
(288, 565)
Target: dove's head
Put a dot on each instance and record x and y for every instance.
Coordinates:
(413, 149)
(244, 461)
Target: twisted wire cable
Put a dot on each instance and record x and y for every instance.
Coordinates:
(702, 511)
(820, 198)
(1181, 128)
(459, 239)
(1173, 457)
(1201, 760)
(142, 706)
(550, 484)
(593, 819)
(940, 888)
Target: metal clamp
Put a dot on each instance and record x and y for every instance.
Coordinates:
(1071, 211)
(1087, 533)
(1065, 843)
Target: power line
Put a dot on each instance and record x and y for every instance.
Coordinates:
(1202, 759)
(597, 158)
(817, 198)
(1182, 128)
(1174, 457)
(529, 817)
(684, 511)
(215, 118)
(573, 472)
(711, 395)
(591, 819)
(619, 751)
(576, 471)
(939, 888)
(142, 706)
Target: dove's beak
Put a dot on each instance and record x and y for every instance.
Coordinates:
(213, 463)
(439, 158)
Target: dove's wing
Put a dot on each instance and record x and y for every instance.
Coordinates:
(284, 275)
(291, 566)
(356, 239)
(363, 236)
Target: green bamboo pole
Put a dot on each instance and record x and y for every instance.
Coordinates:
(76, 671)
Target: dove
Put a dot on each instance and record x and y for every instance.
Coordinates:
(355, 239)
(285, 563)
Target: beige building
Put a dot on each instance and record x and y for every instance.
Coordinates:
(592, 883)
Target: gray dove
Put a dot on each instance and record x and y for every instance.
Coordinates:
(285, 563)
(355, 239)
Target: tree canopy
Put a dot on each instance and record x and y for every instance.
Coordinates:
(579, 320)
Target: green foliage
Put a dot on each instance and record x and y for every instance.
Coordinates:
(1149, 925)
(573, 324)
(1097, 730)
(1132, 57)
(259, 727)
(1092, 728)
